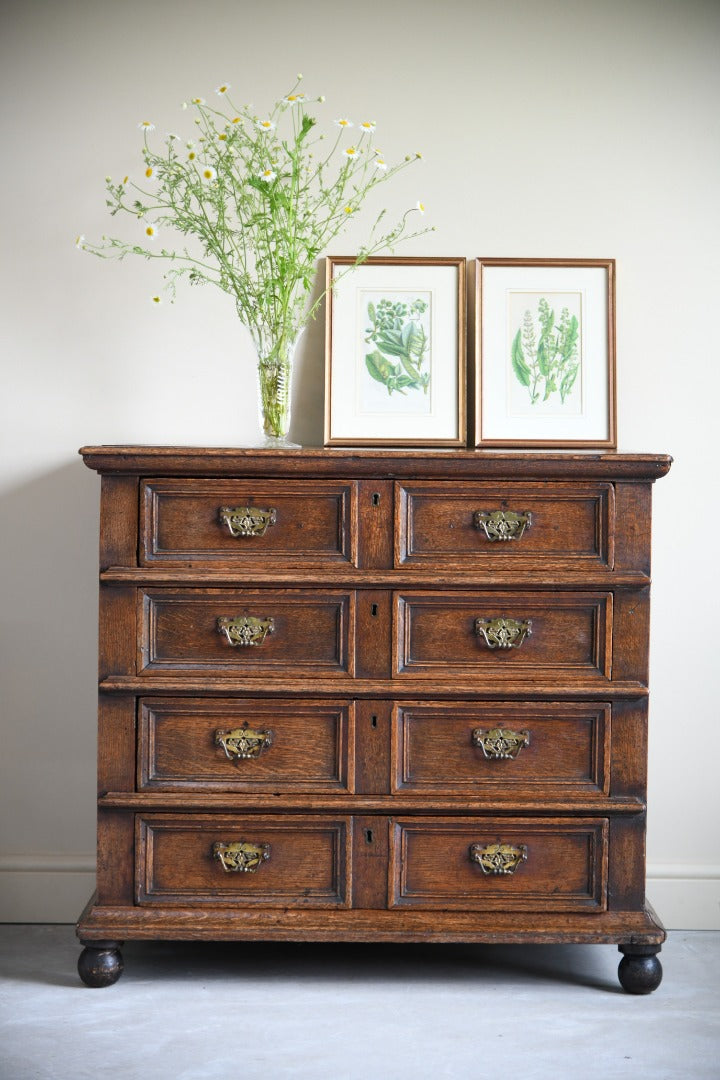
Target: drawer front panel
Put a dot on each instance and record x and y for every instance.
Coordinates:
(297, 863)
(511, 526)
(558, 632)
(234, 523)
(550, 865)
(249, 745)
(295, 631)
(535, 749)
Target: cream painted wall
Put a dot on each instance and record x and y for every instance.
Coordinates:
(551, 128)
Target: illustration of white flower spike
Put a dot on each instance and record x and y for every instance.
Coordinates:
(150, 230)
(420, 206)
(267, 174)
(266, 125)
(368, 126)
(145, 125)
(351, 152)
(379, 163)
(343, 122)
(222, 89)
(208, 173)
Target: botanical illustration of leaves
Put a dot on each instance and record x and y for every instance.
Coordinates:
(522, 371)
(374, 363)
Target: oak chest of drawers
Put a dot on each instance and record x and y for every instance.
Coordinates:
(368, 696)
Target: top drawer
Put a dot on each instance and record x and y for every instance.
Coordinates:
(465, 526)
(266, 523)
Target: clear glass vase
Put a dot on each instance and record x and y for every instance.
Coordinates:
(275, 370)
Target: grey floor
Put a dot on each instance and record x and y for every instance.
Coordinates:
(321, 1012)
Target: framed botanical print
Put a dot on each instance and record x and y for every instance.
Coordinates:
(545, 353)
(395, 352)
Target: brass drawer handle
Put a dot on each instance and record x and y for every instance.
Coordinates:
(240, 856)
(245, 629)
(247, 520)
(502, 524)
(498, 858)
(503, 633)
(243, 743)
(500, 744)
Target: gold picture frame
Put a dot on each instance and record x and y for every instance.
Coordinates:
(395, 347)
(544, 371)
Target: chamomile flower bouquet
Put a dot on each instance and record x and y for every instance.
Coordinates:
(251, 202)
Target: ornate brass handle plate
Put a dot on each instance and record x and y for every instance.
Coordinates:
(500, 744)
(498, 858)
(245, 629)
(243, 743)
(247, 520)
(240, 856)
(502, 524)
(503, 633)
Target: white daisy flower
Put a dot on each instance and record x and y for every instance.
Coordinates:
(222, 89)
(145, 125)
(208, 173)
(343, 122)
(150, 230)
(149, 173)
(420, 206)
(172, 137)
(198, 100)
(266, 125)
(380, 163)
(368, 125)
(192, 155)
(294, 99)
(351, 152)
(348, 209)
(267, 174)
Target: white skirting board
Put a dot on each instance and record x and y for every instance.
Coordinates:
(55, 889)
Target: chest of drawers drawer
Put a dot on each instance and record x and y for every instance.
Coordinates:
(360, 696)
(235, 523)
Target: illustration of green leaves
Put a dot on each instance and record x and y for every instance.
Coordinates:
(396, 331)
(552, 365)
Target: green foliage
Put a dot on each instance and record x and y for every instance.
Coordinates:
(396, 330)
(254, 201)
(552, 365)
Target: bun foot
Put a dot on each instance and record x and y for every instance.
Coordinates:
(640, 971)
(100, 964)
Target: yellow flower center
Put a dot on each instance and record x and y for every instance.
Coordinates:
(150, 230)
(236, 120)
(222, 138)
(148, 171)
(222, 89)
(192, 155)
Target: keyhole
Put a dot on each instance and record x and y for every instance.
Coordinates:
(368, 836)
(376, 498)
(373, 721)
(374, 610)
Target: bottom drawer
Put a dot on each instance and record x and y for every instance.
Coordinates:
(492, 864)
(265, 860)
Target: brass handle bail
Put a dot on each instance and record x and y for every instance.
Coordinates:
(498, 858)
(247, 520)
(500, 744)
(243, 743)
(502, 524)
(502, 632)
(240, 856)
(245, 629)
